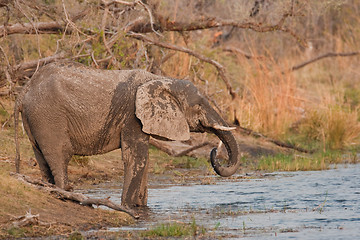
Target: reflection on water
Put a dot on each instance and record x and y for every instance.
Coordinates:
(306, 205)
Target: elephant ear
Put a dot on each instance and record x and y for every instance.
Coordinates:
(159, 111)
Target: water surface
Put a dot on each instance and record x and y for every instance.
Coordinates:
(306, 205)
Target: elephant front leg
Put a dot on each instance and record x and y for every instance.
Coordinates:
(135, 154)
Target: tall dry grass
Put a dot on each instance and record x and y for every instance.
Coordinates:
(269, 101)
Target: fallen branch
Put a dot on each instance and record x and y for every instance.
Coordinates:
(187, 151)
(169, 147)
(326, 55)
(276, 142)
(161, 147)
(76, 197)
(221, 70)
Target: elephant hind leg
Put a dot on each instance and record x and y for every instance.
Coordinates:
(58, 163)
(44, 166)
(54, 158)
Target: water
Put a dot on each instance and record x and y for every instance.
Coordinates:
(306, 205)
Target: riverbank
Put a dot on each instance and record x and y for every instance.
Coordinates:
(64, 218)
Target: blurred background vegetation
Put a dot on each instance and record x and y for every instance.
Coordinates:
(240, 54)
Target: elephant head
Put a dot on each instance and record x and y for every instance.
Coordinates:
(171, 109)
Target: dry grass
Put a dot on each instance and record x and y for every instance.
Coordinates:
(269, 101)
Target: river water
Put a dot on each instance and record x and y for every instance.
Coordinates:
(282, 205)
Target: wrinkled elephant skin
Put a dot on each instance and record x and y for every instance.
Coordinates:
(69, 109)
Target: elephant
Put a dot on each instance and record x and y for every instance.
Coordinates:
(70, 109)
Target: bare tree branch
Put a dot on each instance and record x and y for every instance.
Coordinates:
(27, 69)
(221, 70)
(32, 64)
(163, 25)
(43, 27)
(108, 3)
(326, 55)
(28, 28)
(241, 52)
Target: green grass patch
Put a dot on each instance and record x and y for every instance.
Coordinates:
(16, 232)
(295, 162)
(175, 229)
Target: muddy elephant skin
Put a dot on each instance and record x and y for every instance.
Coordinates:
(69, 109)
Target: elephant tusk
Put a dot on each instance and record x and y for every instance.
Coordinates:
(223, 128)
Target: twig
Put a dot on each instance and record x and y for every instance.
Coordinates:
(36, 32)
(108, 3)
(94, 60)
(108, 48)
(221, 70)
(326, 55)
(150, 16)
(241, 52)
(69, 21)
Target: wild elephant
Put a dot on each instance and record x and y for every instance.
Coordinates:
(69, 109)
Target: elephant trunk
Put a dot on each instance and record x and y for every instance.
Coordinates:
(233, 152)
(214, 123)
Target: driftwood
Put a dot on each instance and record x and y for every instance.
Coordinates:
(76, 197)
(27, 220)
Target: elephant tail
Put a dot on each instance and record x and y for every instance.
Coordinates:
(17, 110)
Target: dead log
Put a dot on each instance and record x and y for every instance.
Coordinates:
(76, 197)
